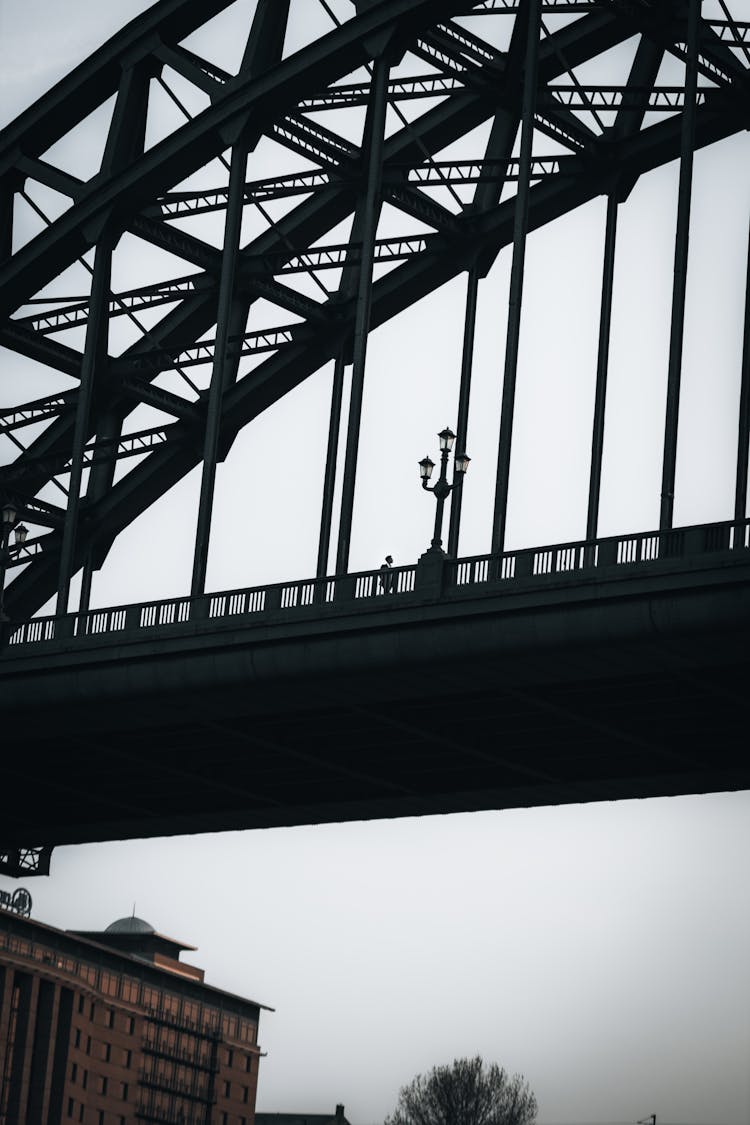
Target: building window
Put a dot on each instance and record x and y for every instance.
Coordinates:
(73, 1074)
(80, 1112)
(85, 1079)
(88, 1044)
(130, 1025)
(77, 1038)
(128, 1059)
(151, 997)
(71, 1107)
(124, 1091)
(227, 1089)
(80, 1004)
(109, 1018)
(101, 1117)
(248, 1063)
(244, 1094)
(91, 1011)
(102, 1085)
(230, 1057)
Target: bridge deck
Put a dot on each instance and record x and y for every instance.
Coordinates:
(573, 673)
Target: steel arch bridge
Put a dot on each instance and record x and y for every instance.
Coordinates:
(430, 64)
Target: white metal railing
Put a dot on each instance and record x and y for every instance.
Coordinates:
(316, 594)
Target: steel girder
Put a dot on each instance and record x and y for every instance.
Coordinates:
(140, 192)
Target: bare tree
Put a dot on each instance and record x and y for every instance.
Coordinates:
(465, 1093)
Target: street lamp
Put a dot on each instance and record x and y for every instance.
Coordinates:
(441, 489)
(9, 516)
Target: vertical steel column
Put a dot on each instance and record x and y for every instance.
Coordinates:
(4, 547)
(87, 574)
(329, 481)
(125, 140)
(602, 367)
(464, 395)
(682, 237)
(94, 354)
(520, 226)
(7, 197)
(743, 435)
(108, 425)
(232, 227)
(374, 134)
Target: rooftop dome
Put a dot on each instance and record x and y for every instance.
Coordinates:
(131, 925)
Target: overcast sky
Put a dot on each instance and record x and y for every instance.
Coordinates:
(602, 950)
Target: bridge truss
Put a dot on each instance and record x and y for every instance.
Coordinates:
(429, 63)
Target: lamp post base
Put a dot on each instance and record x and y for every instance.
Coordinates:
(430, 572)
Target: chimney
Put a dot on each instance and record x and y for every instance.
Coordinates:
(339, 1113)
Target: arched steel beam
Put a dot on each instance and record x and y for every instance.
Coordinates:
(98, 77)
(265, 97)
(604, 160)
(403, 286)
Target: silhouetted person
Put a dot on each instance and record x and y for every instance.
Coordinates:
(386, 578)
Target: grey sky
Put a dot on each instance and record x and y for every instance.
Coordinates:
(602, 950)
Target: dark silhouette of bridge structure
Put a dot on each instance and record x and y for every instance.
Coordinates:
(607, 668)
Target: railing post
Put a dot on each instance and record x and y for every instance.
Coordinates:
(450, 574)
(65, 626)
(272, 600)
(133, 617)
(199, 608)
(672, 543)
(694, 541)
(524, 567)
(494, 567)
(608, 551)
(739, 542)
(319, 591)
(345, 589)
(431, 572)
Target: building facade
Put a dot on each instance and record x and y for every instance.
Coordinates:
(337, 1118)
(111, 1028)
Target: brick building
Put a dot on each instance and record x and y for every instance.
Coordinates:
(112, 1028)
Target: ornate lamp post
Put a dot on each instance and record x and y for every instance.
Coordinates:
(441, 489)
(9, 515)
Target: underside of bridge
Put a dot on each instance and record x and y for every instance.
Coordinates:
(562, 689)
(461, 702)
